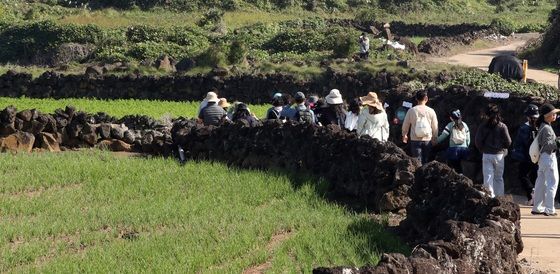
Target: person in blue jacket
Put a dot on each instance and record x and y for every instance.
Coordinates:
(525, 135)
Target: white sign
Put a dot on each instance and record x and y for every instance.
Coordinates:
(497, 95)
(407, 104)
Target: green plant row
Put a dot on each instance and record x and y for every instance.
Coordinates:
(481, 80)
(23, 42)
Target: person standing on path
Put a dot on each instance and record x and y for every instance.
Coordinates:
(525, 135)
(547, 179)
(459, 140)
(492, 140)
(364, 46)
(421, 121)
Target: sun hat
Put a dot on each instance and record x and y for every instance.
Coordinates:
(299, 95)
(334, 97)
(212, 97)
(532, 111)
(548, 109)
(223, 103)
(371, 100)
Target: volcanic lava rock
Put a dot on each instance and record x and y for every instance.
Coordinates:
(17, 142)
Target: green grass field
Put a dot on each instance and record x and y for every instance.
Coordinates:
(118, 108)
(92, 211)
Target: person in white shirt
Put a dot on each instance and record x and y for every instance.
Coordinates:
(352, 115)
(373, 118)
(364, 46)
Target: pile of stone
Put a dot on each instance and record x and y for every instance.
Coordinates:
(455, 227)
(30, 130)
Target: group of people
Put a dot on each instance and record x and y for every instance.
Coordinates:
(366, 116)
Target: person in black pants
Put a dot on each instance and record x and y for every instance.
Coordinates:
(525, 136)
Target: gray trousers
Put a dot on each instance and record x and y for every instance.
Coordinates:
(493, 173)
(546, 184)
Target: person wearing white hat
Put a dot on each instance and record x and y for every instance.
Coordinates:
(334, 114)
(212, 114)
(373, 118)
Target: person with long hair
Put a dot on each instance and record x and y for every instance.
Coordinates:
(493, 140)
(547, 176)
(335, 114)
(459, 140)
(242, 113)
(373, 118)
(352, 115)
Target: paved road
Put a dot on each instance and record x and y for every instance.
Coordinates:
(481, 59)
(541, 238)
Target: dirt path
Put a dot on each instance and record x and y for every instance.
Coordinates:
(481, 59)
(541, 239)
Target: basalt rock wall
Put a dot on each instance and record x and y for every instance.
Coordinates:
(256, 89)
(455, 228)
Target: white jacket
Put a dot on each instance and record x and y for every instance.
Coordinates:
(376, 126)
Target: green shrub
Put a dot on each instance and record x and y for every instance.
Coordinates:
(481, 80)
(22, 41)
(143, 33)
(153, 50)
(237, 52)
(504, 26)
(255, 36)
(214, 56)
(298, 41)
(344, 45)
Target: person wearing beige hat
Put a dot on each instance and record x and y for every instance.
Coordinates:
(547, 175)
(212, 114)
(335, 113)
(223, 103)
(373, 118)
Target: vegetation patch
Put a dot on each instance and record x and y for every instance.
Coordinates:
(133, 214)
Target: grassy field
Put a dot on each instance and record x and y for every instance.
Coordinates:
(92, 211)
(118, 108)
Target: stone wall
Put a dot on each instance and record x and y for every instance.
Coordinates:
(257, 89)
(455, 228)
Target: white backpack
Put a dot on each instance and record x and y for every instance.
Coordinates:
(423, 129)
(458, 136)
(534, 150)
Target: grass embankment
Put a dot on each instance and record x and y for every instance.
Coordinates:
(95, 212)
(118, 108)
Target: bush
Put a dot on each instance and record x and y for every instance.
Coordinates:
(299, 41)
(503, 25)
(22, 42)
(153, 50)
(237, 52)
(344, 45)
(214, 56)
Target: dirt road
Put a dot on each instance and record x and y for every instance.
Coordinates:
(481, 59)
(541, 239)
